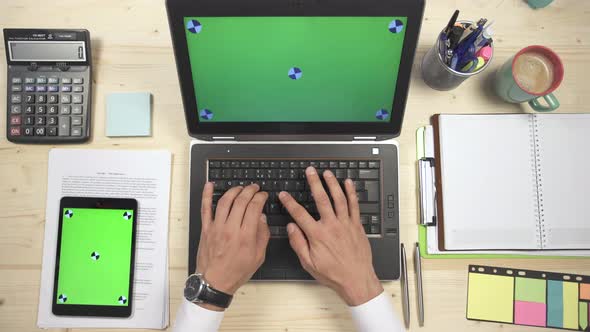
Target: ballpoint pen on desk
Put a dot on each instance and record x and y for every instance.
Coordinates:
(404, 286)
(419, 289)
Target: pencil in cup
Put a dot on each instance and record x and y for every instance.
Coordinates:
(438, 75)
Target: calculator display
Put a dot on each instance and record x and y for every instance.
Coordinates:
(47, 50)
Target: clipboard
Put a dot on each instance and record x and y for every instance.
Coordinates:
(427, 190)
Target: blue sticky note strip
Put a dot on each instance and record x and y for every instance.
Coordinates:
(128, 114)
(554, 303)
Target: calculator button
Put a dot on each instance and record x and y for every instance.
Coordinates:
(41, 109)
(66, 80)
(14, 131)
(65, 99)
(30, 80)
(76, 121)
(40, 120)
(41, 99)
(29, 88)
(52, 131)
(53, 99)
(76, 131)
(15, 120)
(52, 110)
(77, 109)
(17, 88)
(52, 80)
(15, 109)
(52, 120)
(66, 88)
(16, 98)
(77, 99)
(78, 88)
(29, 109)
(64, 109)
(40, 131)
(16, 80)
(41, 88)
(29, 120)
(29, 131)
(78, 80)
(64, 126)
(30, 99)
(53, 88)
(41, 80)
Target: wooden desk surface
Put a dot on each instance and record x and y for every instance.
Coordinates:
(132, 52)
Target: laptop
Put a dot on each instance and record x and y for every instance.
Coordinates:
(270, 87)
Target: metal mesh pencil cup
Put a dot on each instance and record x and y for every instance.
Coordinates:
(438, 75)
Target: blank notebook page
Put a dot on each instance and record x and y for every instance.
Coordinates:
(488, 182)
(563, 151)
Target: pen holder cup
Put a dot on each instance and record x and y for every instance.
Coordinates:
(438, 75)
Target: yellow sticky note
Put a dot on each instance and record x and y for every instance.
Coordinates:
(570, 305)
(490, 297)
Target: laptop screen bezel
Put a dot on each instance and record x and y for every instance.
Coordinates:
(179, 9)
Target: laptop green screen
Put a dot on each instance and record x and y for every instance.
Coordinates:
(294, 69)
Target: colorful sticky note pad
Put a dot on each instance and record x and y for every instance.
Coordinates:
(490, 297)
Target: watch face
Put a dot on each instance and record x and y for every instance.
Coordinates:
(192, 288)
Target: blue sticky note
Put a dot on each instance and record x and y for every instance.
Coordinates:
(128, 114)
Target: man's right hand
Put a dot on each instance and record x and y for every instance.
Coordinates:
(334, 249)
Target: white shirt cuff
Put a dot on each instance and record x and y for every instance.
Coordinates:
(376, 315)
(193, 318)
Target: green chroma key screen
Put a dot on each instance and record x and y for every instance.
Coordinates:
(95, 257)
(294, 69)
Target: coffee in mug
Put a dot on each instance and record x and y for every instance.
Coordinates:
(533, 72)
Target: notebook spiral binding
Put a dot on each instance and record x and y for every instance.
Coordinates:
(540, 210)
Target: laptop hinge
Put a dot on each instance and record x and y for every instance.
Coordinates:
(365, 138)
(224, 138)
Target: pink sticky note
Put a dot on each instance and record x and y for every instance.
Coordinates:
(529, 313)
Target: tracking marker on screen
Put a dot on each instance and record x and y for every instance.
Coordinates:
(194, 26)
(206, 114)
(95, 256)
(396, 26)
(382, 114)
(62, 298)
(69, 213)
(295, 73)
(122, 299)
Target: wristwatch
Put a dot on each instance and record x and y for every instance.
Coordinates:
(197, 290)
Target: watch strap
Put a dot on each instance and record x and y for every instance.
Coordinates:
(217, 298)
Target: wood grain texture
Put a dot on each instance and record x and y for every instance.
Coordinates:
(132, 52)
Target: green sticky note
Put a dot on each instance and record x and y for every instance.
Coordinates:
(128, 114)
(530, 290)
(583, 313)
(490, 297)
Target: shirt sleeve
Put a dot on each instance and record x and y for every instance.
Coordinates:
(194, 318)
(376, 315)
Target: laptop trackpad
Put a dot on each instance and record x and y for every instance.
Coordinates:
(281, 262)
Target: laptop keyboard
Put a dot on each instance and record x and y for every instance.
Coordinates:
(274, 176)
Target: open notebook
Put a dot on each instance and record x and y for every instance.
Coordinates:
(513, 182)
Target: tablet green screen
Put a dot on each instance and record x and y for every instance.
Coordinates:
(95, 257)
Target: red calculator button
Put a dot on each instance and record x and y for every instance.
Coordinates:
(15, 120)
(14, 131)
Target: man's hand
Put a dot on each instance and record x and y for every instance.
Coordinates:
(233, 242)
(335, 249)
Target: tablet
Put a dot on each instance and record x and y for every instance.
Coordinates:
(95, 257)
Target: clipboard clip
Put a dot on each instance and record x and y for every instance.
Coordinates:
(428, 210)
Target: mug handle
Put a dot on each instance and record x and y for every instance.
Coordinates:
(551, 101)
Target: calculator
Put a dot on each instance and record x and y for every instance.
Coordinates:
(49, 85)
